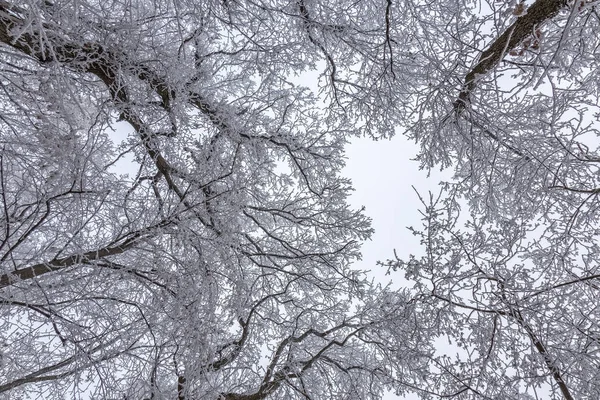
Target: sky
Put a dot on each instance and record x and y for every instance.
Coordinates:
(383, 174)
(385, 177)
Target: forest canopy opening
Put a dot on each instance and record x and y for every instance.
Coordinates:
(221, 268)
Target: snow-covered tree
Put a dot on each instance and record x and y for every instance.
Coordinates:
(219, 267)
(510, 275)
(218, 264)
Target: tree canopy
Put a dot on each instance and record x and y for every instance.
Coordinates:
(208, 255)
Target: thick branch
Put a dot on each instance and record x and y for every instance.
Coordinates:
(61, 263)
(543, 351)
(88, 57)
(539, 12)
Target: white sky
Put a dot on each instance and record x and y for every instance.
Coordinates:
(383, 175)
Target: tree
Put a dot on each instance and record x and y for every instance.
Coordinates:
(219, 268)
(512, 282)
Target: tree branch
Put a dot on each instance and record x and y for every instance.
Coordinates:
(539, 12)
(543, 351)
(33, 271)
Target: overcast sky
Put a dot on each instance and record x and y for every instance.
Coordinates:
(383, 175)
